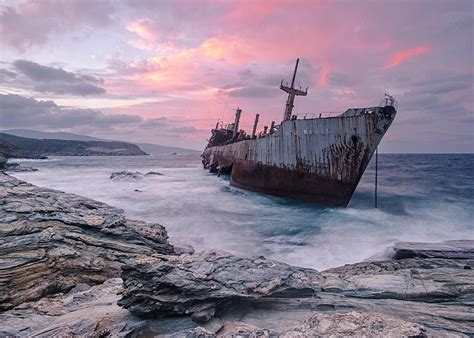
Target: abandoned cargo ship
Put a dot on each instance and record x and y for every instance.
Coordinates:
(320, 160)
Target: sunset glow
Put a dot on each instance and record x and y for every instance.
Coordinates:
(193, 62)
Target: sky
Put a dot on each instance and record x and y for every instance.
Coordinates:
(166, 71)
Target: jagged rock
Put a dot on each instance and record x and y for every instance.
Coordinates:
(356, 323)
(50, 241)
(90, 311)
(129, 175)
(190, 284)
(460, 249)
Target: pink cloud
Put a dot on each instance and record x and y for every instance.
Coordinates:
(403, 55)
(191, 59)
(33, 23)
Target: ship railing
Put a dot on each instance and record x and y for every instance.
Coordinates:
(287, 84)
(323, 114)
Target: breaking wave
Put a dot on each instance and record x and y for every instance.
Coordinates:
(421, 198)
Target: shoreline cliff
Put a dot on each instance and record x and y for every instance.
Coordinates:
(74, 266)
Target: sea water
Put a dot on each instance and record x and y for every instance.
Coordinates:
(421, 197)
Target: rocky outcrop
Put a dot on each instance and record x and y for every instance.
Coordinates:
(61, 254)
(126, 175)
(132, 175)
(197, 284)
(428, 280)
(50, 241)
(18, 168)
(413, 296)
(460, 249)
(153, 173)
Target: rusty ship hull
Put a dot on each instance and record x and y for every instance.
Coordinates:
(319, 160)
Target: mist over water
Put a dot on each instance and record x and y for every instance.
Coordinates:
(421, 198)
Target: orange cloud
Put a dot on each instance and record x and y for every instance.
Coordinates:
(403, 55)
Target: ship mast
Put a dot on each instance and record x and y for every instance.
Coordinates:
(292, 92)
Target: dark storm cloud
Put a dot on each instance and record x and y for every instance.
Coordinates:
(24, 112)
(58, 81)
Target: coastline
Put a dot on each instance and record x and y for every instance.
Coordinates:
(63, 256)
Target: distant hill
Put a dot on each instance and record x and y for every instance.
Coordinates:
(50, 135)
(157, 149)
(149, 148)
(15, 146)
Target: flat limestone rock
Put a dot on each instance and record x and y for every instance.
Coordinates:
(84, 311)
(193, 284)
(459, 249)
(415, 279)
(50, 241)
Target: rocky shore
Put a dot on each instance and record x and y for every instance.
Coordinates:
(73, 266)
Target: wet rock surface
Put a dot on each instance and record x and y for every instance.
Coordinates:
(197, 284)
(17, 167)
(365, 324)
(126, 175)
(132, 175)
(460, 249)
(61, 256)
(50, 241)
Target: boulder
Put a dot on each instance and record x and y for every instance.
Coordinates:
(196, 284)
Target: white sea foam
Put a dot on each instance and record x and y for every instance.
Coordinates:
(200, 209)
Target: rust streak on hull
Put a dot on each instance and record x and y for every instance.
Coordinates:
(290, 183)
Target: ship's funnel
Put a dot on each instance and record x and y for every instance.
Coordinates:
(254, 130)
(238, 111)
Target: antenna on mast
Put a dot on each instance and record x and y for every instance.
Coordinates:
(292, 92)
